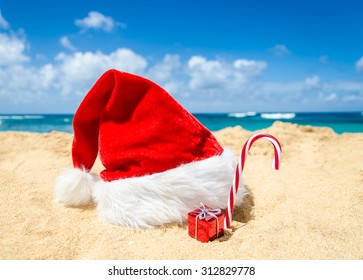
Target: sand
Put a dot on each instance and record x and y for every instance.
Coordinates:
(312, 208)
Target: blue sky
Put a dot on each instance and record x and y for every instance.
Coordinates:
(212, 56)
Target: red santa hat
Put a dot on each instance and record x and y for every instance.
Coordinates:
(160, 162)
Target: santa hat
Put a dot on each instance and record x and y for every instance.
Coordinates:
(160, 162)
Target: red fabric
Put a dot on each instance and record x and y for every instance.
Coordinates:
(137, 128)
(206, 230)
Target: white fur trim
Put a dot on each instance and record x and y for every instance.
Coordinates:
(74, 187)
(168, 196)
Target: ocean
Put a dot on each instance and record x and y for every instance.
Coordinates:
(339, 122)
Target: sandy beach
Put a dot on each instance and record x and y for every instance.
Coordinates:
(312, 208)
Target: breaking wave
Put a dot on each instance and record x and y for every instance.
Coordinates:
(242, 115)
(278, 116)
(21, 117)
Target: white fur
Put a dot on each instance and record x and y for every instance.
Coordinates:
(74, 187)
(168, 196)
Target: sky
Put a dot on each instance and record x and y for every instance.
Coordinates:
(212, 56)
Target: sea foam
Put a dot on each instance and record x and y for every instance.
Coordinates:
(242, 115)
(21, 117)
(278, 116)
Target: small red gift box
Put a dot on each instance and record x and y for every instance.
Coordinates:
(205, 224)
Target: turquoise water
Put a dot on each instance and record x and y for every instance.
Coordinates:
(339, 122)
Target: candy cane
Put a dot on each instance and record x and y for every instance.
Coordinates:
(239, 169)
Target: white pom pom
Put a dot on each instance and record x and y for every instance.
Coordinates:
(74, 187)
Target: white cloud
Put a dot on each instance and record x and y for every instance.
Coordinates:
(342, 85)
(49, 75)
(359, 64)
(312, 94)
(217, 74)
(199, 83)
(331, 97)
(206, 74)
(98, 21)
(67, 44)
(250, 67)
(63, 81)
(280, 50)
(166, 70)
(25, 87)
(11, 49)
(169, 74)
(3, 23)
(79, 70)
(312, 81)
(353, 98)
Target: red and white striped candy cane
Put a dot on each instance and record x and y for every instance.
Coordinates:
(239, 169)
